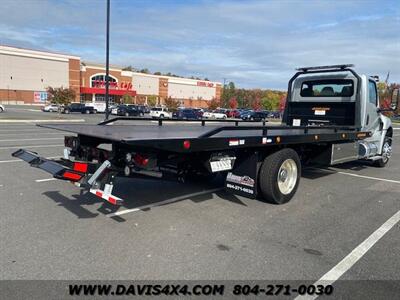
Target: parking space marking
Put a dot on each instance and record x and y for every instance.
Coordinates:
(29, 133)
(346, 263)
(20, 160)
(357, 175)
(45, 180)
(30, 146)
(126, 211)
(11, 121)
(45, 139)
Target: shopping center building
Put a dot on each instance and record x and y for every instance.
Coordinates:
(26, 74)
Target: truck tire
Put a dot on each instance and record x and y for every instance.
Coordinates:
(66, 111)
(126, 114)
(386, 153)
(87, 111)
(280, 176)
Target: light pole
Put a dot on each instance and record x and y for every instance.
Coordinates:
(223, 90)
(107, 56)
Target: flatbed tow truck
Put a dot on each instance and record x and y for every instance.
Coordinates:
(332, 116)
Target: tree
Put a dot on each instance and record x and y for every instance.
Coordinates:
(152, 100)
(282, 103)
(126, 99)
(228, 92)
(60, 95)
(128, 68)
(213, 104)
(256, 104)
(145, 71)
(157, 73)
(171, 103)
(233, 103)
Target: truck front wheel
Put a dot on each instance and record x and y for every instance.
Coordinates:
(386, 153)
(280, 176)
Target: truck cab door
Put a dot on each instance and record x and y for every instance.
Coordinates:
(372, 114)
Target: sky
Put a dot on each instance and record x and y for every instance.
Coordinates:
(255, 44)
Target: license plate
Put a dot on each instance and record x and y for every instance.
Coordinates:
(220, 165)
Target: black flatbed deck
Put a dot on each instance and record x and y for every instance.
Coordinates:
(210, 136)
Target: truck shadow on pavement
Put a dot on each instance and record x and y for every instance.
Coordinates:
(319, 172)
(141, 194)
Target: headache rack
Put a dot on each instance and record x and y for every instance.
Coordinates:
(325, 68)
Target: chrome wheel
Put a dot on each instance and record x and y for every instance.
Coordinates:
(287, 176)
(386, 151)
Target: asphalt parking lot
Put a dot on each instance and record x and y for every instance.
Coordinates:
(49, 230)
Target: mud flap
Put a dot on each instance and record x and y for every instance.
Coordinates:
(243, 179)
(56, 169)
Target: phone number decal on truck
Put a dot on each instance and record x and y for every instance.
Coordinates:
(239, 188)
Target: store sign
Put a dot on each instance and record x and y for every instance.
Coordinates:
(123, 85)
(39, 96)
(203, 83)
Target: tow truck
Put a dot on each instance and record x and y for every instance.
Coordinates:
(332, 116)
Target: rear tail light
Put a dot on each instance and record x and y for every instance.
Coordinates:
(140, 160)
(71, 176)
(80, 167)
(186, 144)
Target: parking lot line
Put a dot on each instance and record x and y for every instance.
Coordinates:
(29, 133)
(346, 263)
(45, 180)
(30, 146)
(12, 121)
(357, 175)
(126, 211)
(45, 139)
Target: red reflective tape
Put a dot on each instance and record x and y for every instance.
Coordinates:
(98, 193)
(72, 176)
(112, 200)
(80, 167)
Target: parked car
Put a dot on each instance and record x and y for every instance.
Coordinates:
(2, 108)
(127, 110)
(146, 109)
(216, 114)
(199, 112)
(244, 113)
(98, 106)
(274, 115)
(160, 112)
(254, 116)
(51, 108)
(77, 108)
(186, 114)
(233, 113)
(140, 108)
(396, 118)
(112, 109)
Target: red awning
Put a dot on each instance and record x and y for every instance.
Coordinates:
(89, 90)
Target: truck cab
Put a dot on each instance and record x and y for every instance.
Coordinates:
(338, 96)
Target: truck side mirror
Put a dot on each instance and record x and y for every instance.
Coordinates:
(395, 98)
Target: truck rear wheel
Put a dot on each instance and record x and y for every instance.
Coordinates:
(280, 176)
